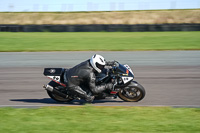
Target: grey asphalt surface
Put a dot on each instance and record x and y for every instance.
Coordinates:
(171, 78)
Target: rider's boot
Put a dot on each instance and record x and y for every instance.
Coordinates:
(83, 95)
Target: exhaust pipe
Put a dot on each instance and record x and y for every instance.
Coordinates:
(54, 91)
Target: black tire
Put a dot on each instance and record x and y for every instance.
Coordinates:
(57, 97)
(134, 92)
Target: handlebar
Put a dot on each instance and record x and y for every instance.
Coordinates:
(111, 63)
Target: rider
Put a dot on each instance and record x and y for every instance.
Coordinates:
(84, 73)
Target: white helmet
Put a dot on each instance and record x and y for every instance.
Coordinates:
(97, 62)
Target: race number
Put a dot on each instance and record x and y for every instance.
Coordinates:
(127, 66)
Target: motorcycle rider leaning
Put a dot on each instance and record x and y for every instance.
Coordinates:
(84, 73)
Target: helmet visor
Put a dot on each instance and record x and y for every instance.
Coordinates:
(101, 67)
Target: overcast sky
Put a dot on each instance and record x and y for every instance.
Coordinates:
(94, 5)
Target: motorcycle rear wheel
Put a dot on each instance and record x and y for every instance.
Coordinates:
(132, 93)
(57, 97)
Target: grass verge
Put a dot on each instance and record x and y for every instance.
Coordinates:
(99, 41)
(100, 120)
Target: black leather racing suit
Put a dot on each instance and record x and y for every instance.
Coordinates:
(83, 73)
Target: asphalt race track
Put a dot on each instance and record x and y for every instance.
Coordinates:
(171, 78)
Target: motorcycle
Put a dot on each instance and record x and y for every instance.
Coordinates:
(120, 75)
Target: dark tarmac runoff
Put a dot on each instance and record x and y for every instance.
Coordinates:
(170, 78)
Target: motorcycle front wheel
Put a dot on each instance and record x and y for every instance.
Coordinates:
(134, 92)
(57, 97)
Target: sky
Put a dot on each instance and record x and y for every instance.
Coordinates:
(93, 5)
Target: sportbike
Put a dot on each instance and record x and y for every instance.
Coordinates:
(120, 75)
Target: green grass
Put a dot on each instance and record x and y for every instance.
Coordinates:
(100, 120)
(99, 41)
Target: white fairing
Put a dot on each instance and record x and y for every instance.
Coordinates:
(126, 79)
(127, 66)
(56, 78)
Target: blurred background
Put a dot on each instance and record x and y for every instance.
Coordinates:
(104, 15)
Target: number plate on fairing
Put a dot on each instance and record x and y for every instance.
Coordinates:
(127, 66)
(126, 79)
